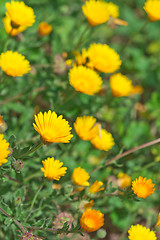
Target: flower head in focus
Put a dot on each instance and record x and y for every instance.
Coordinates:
(103, 141)
(14, 64)
(98, 12)
(52, 129)
(122, 86)
(4, 153)
(20, 14)
(92, 220)
(85, 80)
(124, 180)
(86, 127)
(11, 30)
(44, 29)
(104, 58)
(80, 177)
(152, 8)
(139, 232)
(143, 187)
(96, 187)
(53, 169)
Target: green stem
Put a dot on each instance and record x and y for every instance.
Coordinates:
(35, 148)
(81, 37)
(36, 195)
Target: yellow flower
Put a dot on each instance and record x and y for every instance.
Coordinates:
(98, 12)
(53, 169)
(11, 30)
(20, 14)
(44, 29)
(92, 220)
(139, 232)
(158, 220)
(81, 58)
(95, 187)
(85, 80)
(52, 129)
(122, 86)
(152, 8)
(86, 127)
(124, 180)
(14, 64)
(103, 141)
(80, 177)
(104, 58)
(4, 146)
(143, 187)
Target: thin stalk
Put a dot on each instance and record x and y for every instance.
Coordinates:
(35, 148)
(81, 37)
(35, 197)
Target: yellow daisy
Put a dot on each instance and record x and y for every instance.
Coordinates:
(98, 12)
(143, 187)
(103, 141)
(81, 58)
(92, 220)
(152, 8)
(14, 64)
(80, 177)
(86, 127)
(96, 187)
(53, 169)
(11, 30)
(20, 14)
(4, 146)
(85, 80)
(139, 232)
(52, 129)
(104, 58)
(44, 29)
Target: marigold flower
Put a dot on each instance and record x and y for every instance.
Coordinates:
(121, 86)
(80, 177)
(96, 187)
(103, 141)
(11, 30)
(53, 169)
(152, 8)
(98, 12)
(4, 146)
(124, 180)
(104, 58)
(20, 14)
(14, 64)
(143, 187)
(85, 80)
(92, 220)
(158, 220)
(44, 29)
(139, 232)
(52, 129)
(86, 127)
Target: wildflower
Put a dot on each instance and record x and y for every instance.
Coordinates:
(95, 187)
(4, 146)
(152, 8)
(158, 220)
(52, 129)
(104, 58)
(138, 232)
(53, 169)
(85, 80)
(122, 86)
(124, 180)
(44, 29)
(92, 220)
(80, 177)
(13, 31)
(20, 14)
(81, 58)
(86, 127)
(14, 64)
(84, 204)
(103, 141)
(98, 12)
(143, 187)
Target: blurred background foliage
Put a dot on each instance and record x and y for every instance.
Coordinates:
(132, 120)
